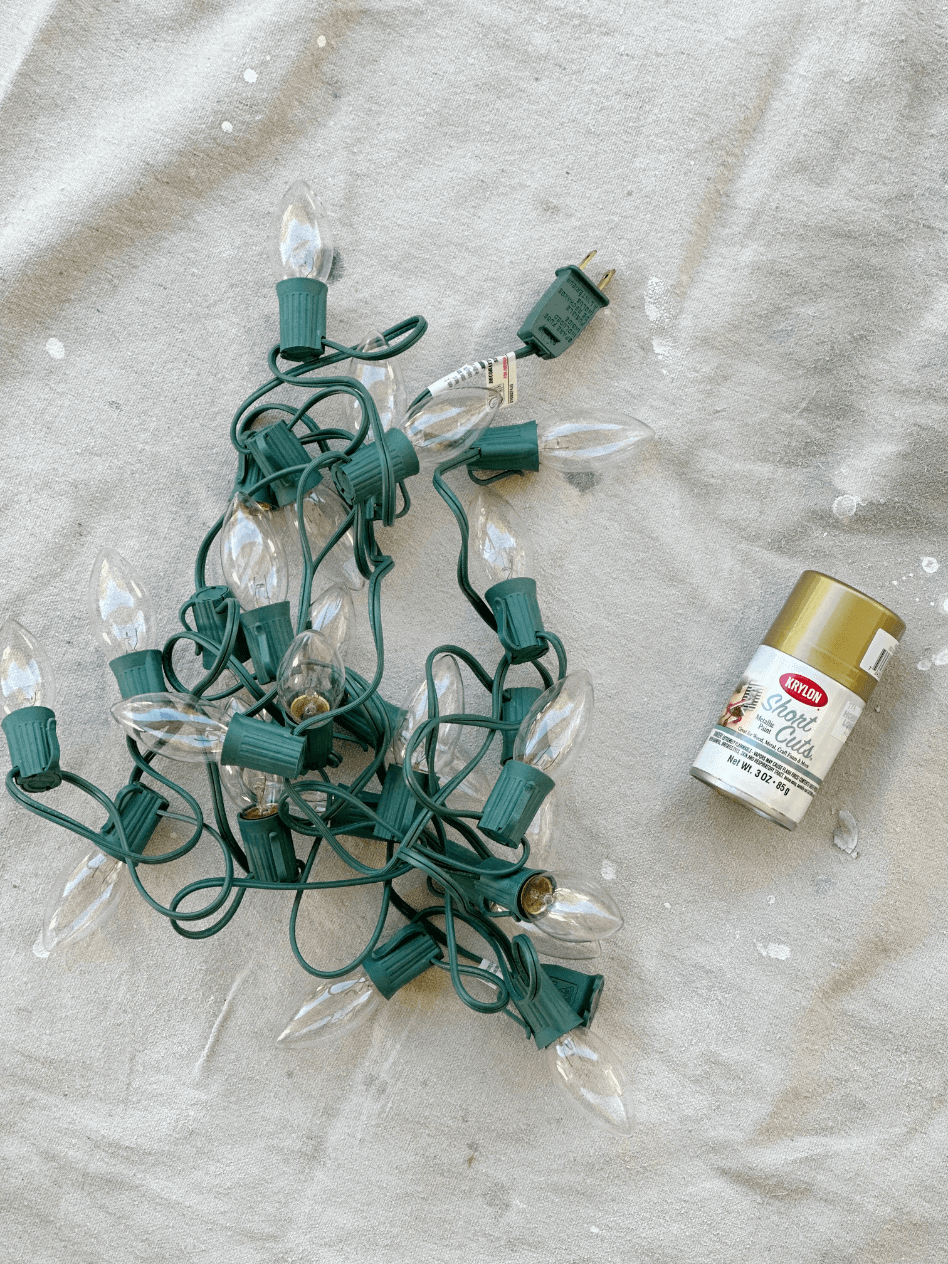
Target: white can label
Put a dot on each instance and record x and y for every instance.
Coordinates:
(779, 733)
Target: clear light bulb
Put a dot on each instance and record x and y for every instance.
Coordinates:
(173, 725)
(591, 1076)
(443, 425)
(336, 1008)
(252, 558)
(555, 727)
(26, 678)
(301, 243)
(121, 613)
(333, 614)
(311, 678)
(569, 906)
(383, 380)
(255, 794)
(84, 896)
(590, 440)
(449, 690)
(323, 515)
(499, 546)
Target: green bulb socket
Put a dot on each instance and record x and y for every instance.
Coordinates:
(276, 449)
(269, 847)
(398, 807)
(514, 707)
(249, 475)
(546, 1009)
(406, 955)
(514, 802)
(139, 673)
(360, 478)
(359, 722)
(302, 317)
(519, 622)
(562, 313)
(140, 808)
(318, 745)
(269, 631)
(507, 448)
(34, 748)
(210, 619)
(252, 743)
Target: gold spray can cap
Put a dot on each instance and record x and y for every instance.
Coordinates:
(831, 626)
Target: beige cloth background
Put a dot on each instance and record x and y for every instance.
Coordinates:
(770, 184)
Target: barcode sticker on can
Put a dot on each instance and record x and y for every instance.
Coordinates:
(881, 648)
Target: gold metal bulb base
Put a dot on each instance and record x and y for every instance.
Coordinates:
(258, 813)
(307, 705)
(536, 894)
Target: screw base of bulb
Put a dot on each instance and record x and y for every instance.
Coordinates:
(139, 673)
(34, 748)
(269, 631)
(514, 802)
(519, 622)
(269, 847)
(302, 317)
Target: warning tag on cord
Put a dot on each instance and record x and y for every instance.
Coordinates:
(499, 372)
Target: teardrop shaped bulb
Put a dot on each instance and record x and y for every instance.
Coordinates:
(383, 380)
(474, 790)
(121, 613)
(333, 614)
(83, 897)
(301, 240)
(252, 557)
(550, 946)
(443, 425)
(499, 546)
(336, 1008)
(26, 678)
(570, 906)
(250, 790)
(539, 833)
(590, 440)
(449, 689)
(591, 1076)
(311, 678)
(171, 724)
(555, 727)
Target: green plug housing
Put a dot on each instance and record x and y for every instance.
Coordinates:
(406, 955)
(514, 802)
(252, 743)
(302, 317)
(275, 450)
(140, 808)
(34, 748)
(564, 311)
(269, 847)
(268, 631)
(139, 672)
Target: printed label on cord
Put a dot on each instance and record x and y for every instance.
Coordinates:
(499, 372)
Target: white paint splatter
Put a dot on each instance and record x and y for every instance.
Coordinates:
(771, 899)
(39, 948)
(55, 349)
(779, 951)
(667, 905)
(845, 506)
(940, 659)
(227, 127)
(846, 833)
(321, 41)
(924, 664)
(250, 76)
(608, 870)
(216, 1029)
(929, 565)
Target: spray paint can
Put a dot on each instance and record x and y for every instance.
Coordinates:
(799, 699)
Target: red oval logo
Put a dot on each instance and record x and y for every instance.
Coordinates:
(804, 689)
